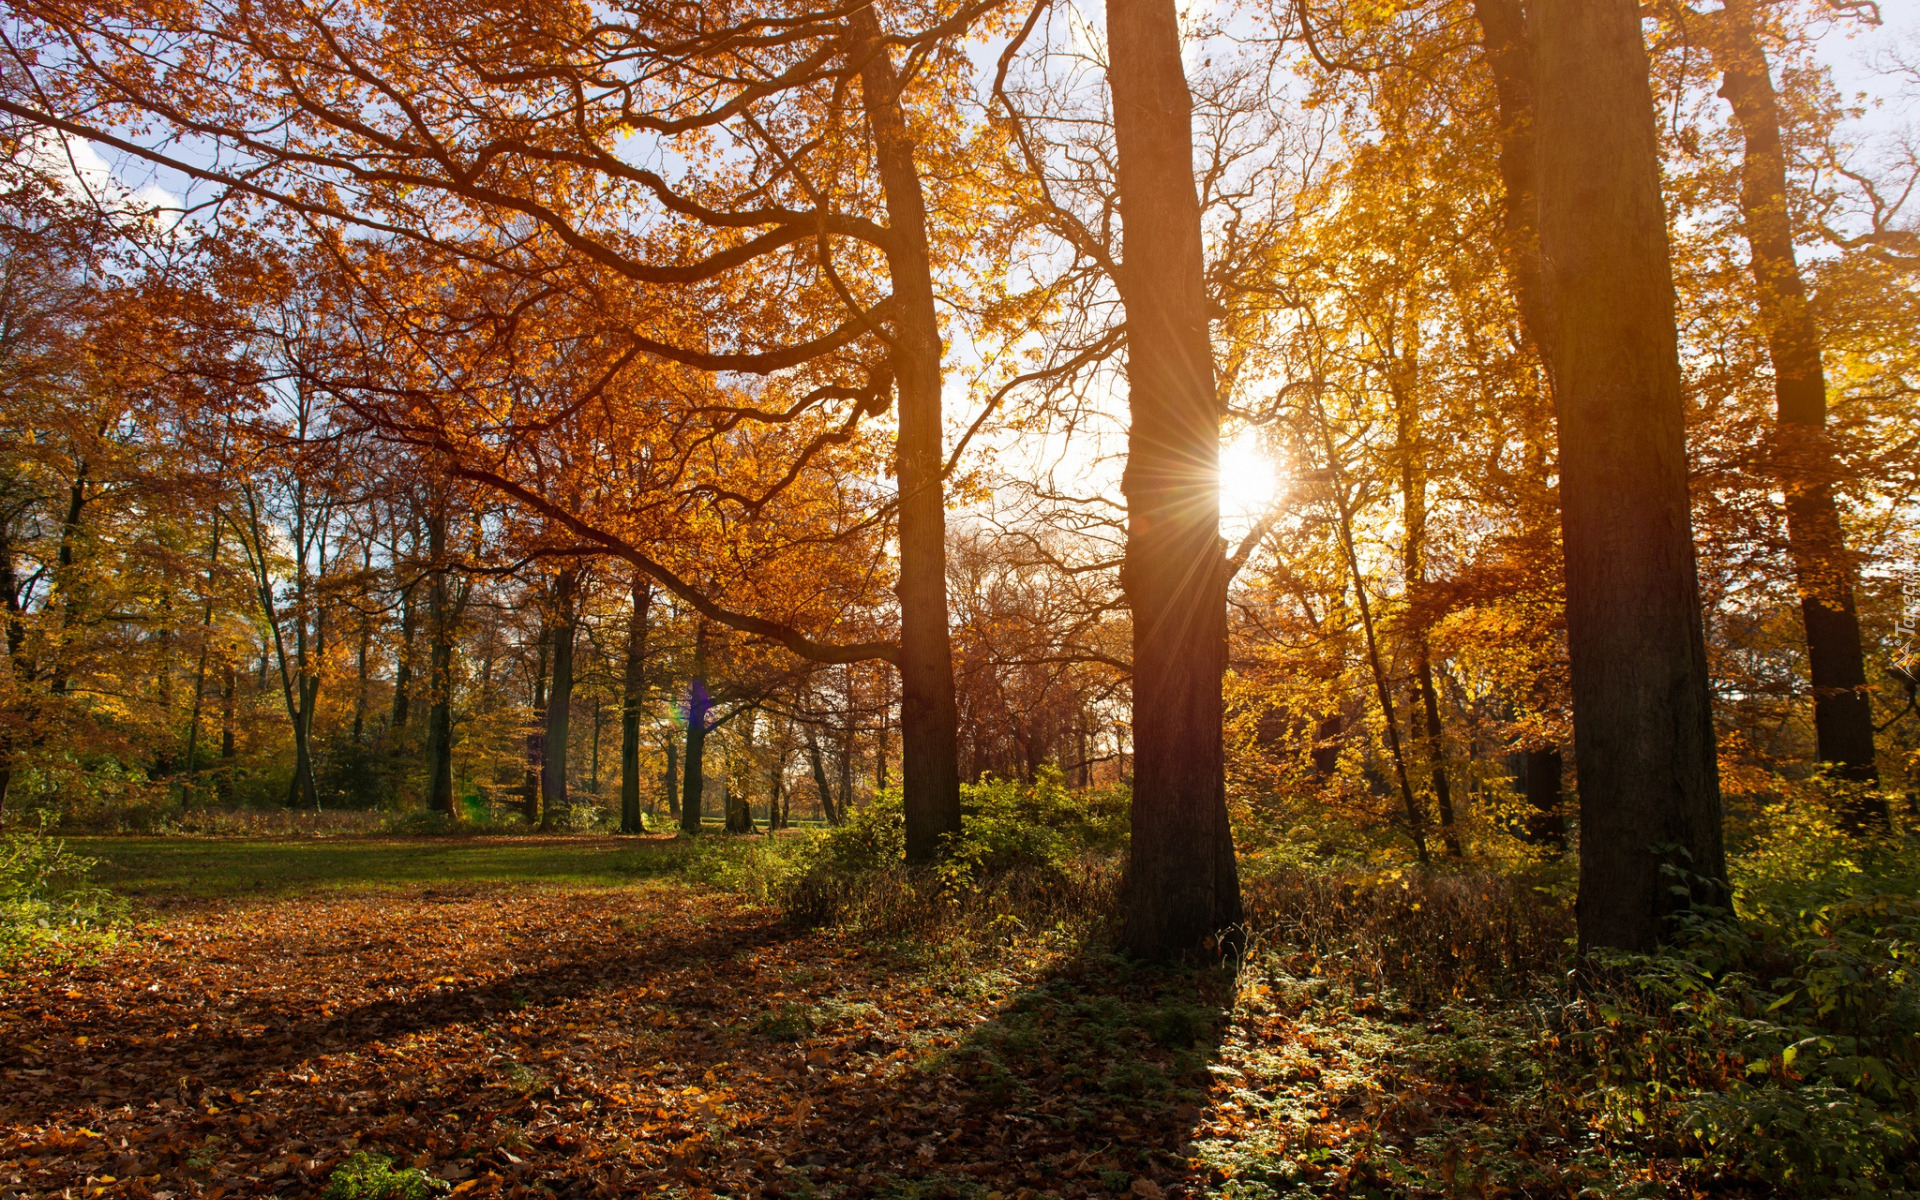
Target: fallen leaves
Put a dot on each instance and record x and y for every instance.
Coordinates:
(574, 1042)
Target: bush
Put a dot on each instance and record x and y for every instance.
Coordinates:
(365, 1176)
(47, 902)
(1429, 935)
(1778, 1042)
(1027, 853)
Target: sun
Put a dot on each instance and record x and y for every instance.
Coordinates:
(1249, 480)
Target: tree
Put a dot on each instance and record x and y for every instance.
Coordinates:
(1804, 458)
(1643, 726)
(632, 699)
(1184, 887)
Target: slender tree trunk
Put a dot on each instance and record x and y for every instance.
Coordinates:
(1510, 60)
(777, 789)
(1184, 883)
(69, 586)
(1643, 726)
(439, 668)
(553, 779)
(672, 781)
(361, 655)
(1411, 448)
(1803, 455)
(229, 752)
(698, 702)
(536, 731)
(1509, 56)
(928, 715)
(200, 671)
(1382, 686)
(593, 763)
(819, 765)
(403, 671)
(632, 697)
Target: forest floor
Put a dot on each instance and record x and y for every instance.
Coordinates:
(576, 1017)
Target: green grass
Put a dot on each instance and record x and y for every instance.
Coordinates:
(214, 867)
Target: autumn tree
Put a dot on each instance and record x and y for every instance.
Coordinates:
(1643, 728)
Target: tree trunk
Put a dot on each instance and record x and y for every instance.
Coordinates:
(1546, 824)
(1509, 55)
(536, 732)
(229, 696)
(1411, 448)
(698, 702)
(632, 698)
(553, 777)
(1643, 727)
(1185, 887)
(1510, 60)
(777, 789)
(200, 671)
(439, 670)
(819, 765)
(1803, 456)
(672, 780)
(930, 773)
(403, 670)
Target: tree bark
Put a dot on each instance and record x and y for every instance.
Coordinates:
(1546, 824)
(1803, 456)
(1184, 884)
(929, 720)
(439, 669)
(1413, 496)
(698, 702)
(631, 700)
(672, 780)
(1509, 55)
(818, 762)
(403, 670)
(536, 730)
(553, 767)
(1643, 727)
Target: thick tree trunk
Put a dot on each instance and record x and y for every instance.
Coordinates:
(632, 698)
(1803, 456)
(930, 774)
(1546, 823)
(439, 671)
(553, 767)
(1643, 727)
(1184, 884)
(698, 703)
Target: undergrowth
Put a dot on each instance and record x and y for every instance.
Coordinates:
(1030, 856)
(49, 906)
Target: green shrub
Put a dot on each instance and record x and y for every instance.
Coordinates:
(1026, 852)
(1778, 1042)
(47, 901)
(365, 1176)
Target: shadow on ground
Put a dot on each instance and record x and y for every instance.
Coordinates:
(529, 1041)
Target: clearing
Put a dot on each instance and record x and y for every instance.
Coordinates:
(576, 1017)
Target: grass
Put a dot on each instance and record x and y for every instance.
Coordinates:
(229, 867)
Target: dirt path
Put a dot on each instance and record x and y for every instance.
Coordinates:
(542, 1040)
